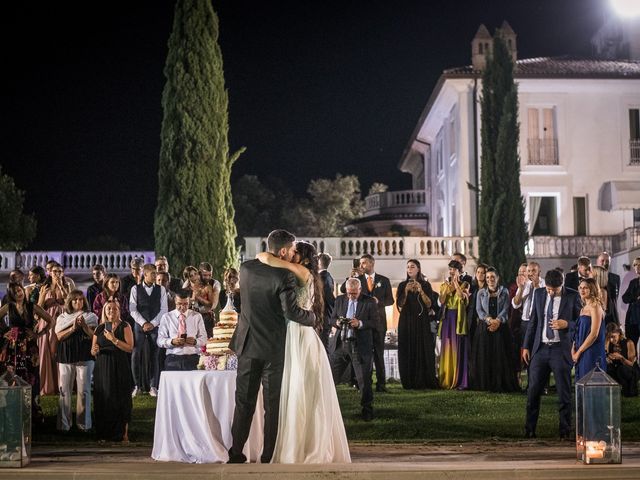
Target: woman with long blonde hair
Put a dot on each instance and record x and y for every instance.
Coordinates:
(588, 348)
(601, 276)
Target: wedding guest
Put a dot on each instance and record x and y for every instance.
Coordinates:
(416, 348)
(52, 297)
(162, 279)
(491, 368)
(133, 279)
(15, 276)
(148, 303)
(182, 333)
(111, 291)
(360, 311)
(464, 276)
(632, 298)
(613, 279)
(231, 280)
(572, 279)
(588, 345)
(547, 348)
(622, 363)
(162, 266)
(523, 299)
(377, 287)
(600, 275)
(453, 330)
(324, 260)
(74, 329)
(112, 383)
(37, 276)
(478, 283)
(206, 276)
(19, 334)
(202, 296)
(97, 273)
(515, 320)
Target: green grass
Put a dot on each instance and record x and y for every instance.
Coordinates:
(401, 416)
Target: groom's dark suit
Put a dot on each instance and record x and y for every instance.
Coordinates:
(268, 297)
(550, 355)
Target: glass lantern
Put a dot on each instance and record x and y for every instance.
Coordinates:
(598, 418)
(15, 421)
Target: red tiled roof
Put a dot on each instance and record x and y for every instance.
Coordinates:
(562, 67)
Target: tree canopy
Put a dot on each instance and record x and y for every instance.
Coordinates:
(17, 229)
(194, 215)
(501, 227)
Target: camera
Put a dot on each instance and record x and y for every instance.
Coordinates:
(347, 333)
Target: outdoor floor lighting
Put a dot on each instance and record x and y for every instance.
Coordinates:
(598, 418)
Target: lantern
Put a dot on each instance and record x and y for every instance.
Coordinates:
(598, 418)
(15, 421)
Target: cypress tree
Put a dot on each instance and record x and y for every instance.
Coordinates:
(194, 215)
(501, 227)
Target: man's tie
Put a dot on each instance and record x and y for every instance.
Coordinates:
(370, 283)
(351, 311)
(550, 332)
(182, 324)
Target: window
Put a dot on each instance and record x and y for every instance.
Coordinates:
(439, 162)
(542, 141)
(543, 216)
(452, 137)
(580, 216)
(634, 136)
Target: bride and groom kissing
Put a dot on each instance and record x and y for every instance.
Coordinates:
(277, 347)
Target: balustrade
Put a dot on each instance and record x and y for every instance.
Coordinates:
(73, 261)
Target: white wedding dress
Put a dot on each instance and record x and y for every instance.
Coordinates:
(310, 427)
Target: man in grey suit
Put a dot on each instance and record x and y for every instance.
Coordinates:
(268, 298)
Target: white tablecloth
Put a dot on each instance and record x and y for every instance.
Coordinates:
(194, 415)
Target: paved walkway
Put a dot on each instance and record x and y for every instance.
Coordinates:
(477, 461)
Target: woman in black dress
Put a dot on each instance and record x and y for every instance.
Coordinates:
(491, 367)
(622, 364)
(19, 340)
(416, 346)
(112, 380)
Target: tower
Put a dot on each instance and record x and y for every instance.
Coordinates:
(481, 47)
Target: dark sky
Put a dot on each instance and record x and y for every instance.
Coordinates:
(315, 88)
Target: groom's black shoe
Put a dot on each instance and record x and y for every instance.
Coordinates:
(233, 458)
(381, 389)
(367, 416)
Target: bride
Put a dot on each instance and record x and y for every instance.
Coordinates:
(310, 427)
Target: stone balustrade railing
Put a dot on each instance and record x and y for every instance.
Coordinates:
(390, 248)
(75, 261)
(571, 247)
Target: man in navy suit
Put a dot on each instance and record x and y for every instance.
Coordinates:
(547, 348)
(362, 314)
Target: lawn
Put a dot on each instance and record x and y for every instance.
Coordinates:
(400, 416)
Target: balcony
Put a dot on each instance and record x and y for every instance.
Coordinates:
(543, 151)
(634, 148)
(399, 203)
(73, 262)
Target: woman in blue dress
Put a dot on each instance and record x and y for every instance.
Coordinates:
(588, 348)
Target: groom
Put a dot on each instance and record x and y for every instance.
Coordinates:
(268, 297)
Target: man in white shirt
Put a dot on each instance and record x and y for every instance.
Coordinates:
(147, 304)
(182, 333)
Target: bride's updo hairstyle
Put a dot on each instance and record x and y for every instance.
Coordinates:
(309, 259)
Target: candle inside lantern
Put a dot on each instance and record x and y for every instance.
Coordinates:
(596, 449)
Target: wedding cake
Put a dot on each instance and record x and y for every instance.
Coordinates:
(216, 354)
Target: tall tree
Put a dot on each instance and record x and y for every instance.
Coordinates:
(501, 227)
(332, 205)
(194, 215)
(17, 229)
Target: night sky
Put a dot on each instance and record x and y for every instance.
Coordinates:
(315, 88)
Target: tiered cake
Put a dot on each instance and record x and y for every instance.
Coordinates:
(216, 354)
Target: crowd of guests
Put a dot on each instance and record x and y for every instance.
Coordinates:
(110, 343)
(474, 332)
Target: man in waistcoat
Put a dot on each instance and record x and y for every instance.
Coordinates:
(147, 304)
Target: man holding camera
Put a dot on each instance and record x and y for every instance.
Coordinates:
(355, 316)
(182, 333)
